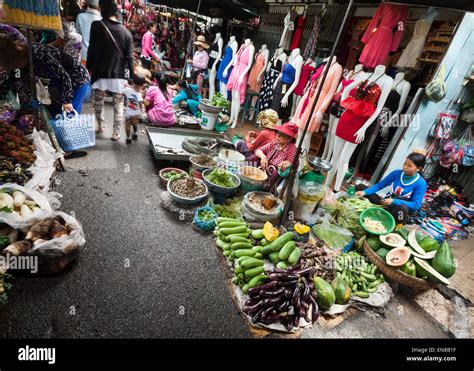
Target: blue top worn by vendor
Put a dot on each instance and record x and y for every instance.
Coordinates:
(189, 94)
(406, 189)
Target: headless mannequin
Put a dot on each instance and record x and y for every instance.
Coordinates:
(297, 98)
(235, 104)
(331, 133)
(212, 69)
(265, 52)
(343, 149)
(279, 55)
(234, 46)
(296, 60)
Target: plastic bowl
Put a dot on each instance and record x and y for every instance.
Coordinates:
(223, 191)
(184, 200)
(164, 181)
(248, 182)
(379, 214)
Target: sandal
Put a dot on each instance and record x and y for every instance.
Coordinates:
(115, 137)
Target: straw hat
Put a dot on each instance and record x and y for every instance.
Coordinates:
(288, 128)
(267, 119)
(201, 40)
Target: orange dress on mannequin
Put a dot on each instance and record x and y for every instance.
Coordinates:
(257, 67)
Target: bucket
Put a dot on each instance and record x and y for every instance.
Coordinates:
(230, 160)
(208, 120)
(252, 178)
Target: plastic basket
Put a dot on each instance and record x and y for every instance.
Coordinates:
(74, 133)
(379, 214)
(205, 225)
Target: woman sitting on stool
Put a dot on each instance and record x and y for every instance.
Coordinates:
(406, 189)
(189, 94)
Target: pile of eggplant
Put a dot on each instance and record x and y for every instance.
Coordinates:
(286, 297)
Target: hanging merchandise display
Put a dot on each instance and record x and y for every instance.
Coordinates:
(273, 71)
(215, 55)
(229, 52)
(310, 48)
(306, 73)
(258, 67)
(383, 34)
(289, 26)
(36, 14)
(300, 24)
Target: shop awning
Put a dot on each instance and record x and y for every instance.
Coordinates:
(239, 9)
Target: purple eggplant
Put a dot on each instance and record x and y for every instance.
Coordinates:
(289, 324)
(304, 305)
(252, 301)
(315, 309)
(278, 270)
(273, 302)
(272, 294)
(288, 293)
(250, 309)
(267, 286)
(288, 283)
(308, 314)
(306, 289)
(313, 294)
(283, 277)
(296, 320)
(294, 268)
(283, 307)
(303, 272)
(257, 316)
(296, 294)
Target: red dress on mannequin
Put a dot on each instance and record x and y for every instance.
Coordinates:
(360, 105)
(300, 23)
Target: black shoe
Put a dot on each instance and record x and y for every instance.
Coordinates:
(75, 154)
(128, 141)
(134, 136)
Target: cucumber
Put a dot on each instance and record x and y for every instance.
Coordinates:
(244, 252)
(249, 263)
(222, 220)
(257, 248)
(376, 283)
(286, 250)
(362, 294)
(257, 234)
(223, 245)
(231, 224)
(280, 242)
(282, 265)
(226, 252)
(234, 230)
(274, 257)
(295, 256)
(258, 256)
(245, 288)
(264, 242)
(372, 289)
(239, 269)
(255, 271)
(240, 245)
(216, 232)
(370, 277)
(235, 238)
(242, 258)
(256, 280)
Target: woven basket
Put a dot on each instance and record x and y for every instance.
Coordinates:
(396, 274)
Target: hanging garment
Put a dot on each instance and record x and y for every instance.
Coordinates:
(305, 75)
(383, 34)
(266, 92)
(310, 49)
(359, 106)
(415, 47)
(300, 23)
(285, 39)
(257, 67)
(335, 108)
(284, 84)
(213, 54)
(302, 113)
(226, 59)
(240, 65)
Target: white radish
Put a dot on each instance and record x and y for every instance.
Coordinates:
(25, 211)
(6, 201)
(30, 203)
(18, 199)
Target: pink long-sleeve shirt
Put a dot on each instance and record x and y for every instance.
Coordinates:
(147, 46)
(200, 60)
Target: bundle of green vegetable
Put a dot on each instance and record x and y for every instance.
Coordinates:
(348, 212)
(283, 251)
(363, 278)
(218, 100)
(221, 178)
(332, 235)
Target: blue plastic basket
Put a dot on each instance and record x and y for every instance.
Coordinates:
(74, 133)
(204, 225)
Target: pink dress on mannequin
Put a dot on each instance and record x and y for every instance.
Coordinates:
(240, 65)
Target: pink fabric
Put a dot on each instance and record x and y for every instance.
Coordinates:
(147, 46)
(306, 71)
(200, 60)
(383, 34)
(161, 111)
(241, 64)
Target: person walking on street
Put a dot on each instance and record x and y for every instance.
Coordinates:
(83, 25)
(110, 61)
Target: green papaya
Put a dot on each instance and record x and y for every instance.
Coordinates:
(326, 297)
(374, 242)
(342, 291)
(403, 232)
(420, 236)
(409, 268)
(382, 252)
(429, 244)
(443, 261)
(426, 271)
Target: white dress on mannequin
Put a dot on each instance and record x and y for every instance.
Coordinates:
(215, 56)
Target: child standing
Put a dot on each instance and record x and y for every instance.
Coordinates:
(134, 107)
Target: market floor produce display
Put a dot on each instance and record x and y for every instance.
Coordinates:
(143, 273)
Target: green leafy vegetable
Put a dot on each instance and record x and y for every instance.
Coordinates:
(221, 178)
(219, 101)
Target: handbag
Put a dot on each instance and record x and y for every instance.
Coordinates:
(436, 90)
(42, 93)
(117, 46)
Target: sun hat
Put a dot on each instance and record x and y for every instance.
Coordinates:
(201, 40)
(267, 119)
(288, 128)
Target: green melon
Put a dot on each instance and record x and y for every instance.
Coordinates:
(326, 297)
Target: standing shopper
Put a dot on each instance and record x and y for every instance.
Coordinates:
(200, 61)
(149, 45)
(83, 25)
(110, 61)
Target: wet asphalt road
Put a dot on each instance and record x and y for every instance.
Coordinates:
(141, 274)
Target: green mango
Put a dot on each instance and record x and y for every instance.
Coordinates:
(409, 268)
(443, 261)
(429, 244)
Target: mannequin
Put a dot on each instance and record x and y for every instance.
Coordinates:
(303, 110)
(238, 79)
(274, 68)
(257, 72)
(285, 84)
(389, 117)
(226, 65)
(335, 110)
(309, 66)
(215, 55)
(368, 100)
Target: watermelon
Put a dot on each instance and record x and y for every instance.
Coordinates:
(326, 297)
(342, 291)
(426, 271)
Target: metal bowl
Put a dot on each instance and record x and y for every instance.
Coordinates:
(319, 164)
(224, 191)
(358, 181)
(164, 181)
(198, 167)
(207, 107)
(184, 200)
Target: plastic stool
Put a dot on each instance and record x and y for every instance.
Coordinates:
(248, 106)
